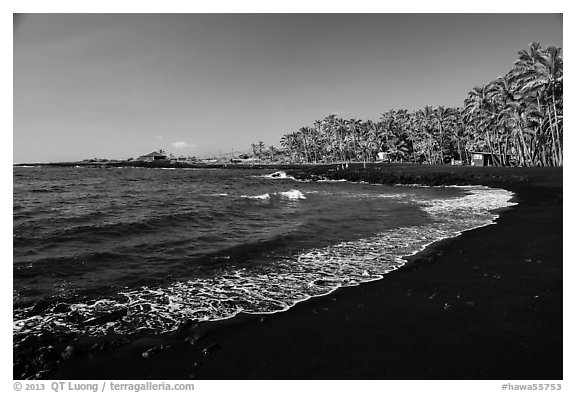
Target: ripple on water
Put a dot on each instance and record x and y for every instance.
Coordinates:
(267, 289)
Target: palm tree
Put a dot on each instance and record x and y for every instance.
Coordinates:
(272, 151)
(479, 111)
(540, 74)
(341, 132)
(304, 133)
(291, 144)
(354, 127)
(257, 149)
(442, 118)
(428, 130)
(460, 135)
(328, 138)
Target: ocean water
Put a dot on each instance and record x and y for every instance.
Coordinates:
(137, 250)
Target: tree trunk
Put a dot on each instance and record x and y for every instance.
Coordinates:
(557, 133)
(525, 149)
(555, 155)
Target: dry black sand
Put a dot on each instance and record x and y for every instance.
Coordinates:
(484, 305)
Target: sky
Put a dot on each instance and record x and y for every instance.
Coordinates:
(122, 85)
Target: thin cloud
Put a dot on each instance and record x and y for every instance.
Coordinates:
(159, 137)
(182, 145)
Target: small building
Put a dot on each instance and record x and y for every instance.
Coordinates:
(184, 160)
(480, 158)
(152, 156)
(483, 158)
(382, 156)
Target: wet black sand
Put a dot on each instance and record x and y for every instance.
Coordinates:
(484, 305)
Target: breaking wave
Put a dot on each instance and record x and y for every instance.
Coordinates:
(291, 194)
(278, 175)
(262, 196)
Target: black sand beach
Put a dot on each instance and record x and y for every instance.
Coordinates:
(484, 305)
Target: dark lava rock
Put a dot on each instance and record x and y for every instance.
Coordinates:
(68, 352)
(210, 348)
(154, 350)
(192, 340)
(186, 325)
(35, 366)
(109, 344)
(75, 317)
(40, 306)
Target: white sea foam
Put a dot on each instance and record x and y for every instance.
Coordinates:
(263, 196)
(278, 175)
(293, 194)
(331, 181)
(270, 289)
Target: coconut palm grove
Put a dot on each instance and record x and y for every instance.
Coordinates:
(517, 119)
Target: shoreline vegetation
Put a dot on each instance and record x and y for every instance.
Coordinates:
(517, 119)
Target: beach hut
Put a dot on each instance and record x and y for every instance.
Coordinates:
(382, 156)
(482, 158)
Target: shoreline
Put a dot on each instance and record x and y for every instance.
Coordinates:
(342, 335)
